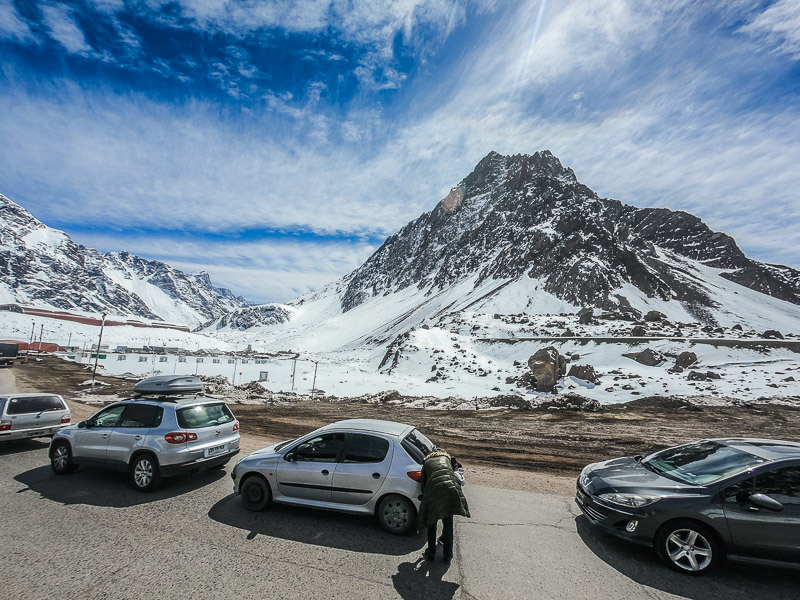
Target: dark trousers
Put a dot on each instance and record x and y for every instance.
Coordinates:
(447, 537)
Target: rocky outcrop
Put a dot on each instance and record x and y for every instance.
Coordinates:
(648, 357)
(547, 366)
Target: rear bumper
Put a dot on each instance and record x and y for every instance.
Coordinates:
(197, 465)
(31, 433)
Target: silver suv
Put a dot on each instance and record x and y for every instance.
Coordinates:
(361, 466)
(166, 430)
(25, 416)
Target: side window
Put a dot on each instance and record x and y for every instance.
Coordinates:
(141, 415)
(365, 449)
(782, 485)
(108, 417)
(322, 448)
(739, 492)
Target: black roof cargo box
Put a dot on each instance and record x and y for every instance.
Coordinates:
(169, 384)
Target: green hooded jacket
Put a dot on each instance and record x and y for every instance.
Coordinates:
(441, 491)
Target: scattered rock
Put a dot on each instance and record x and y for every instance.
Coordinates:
(575, 357)
(772, 334)
(698, 376)
(737, 327)
(585, 316)
(647, 357)
(676, 369)
(570, 401)
(654, 315)
(685, 359)
(585, 372)
(568, 333)
(790, 378)
(638, 331)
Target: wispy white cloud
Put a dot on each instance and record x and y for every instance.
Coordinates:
(63, 29)
(778, 27)
(11, 25)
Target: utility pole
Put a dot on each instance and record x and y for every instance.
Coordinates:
(99, 341)
(69, 343)
(233, 381)
(294, 367)
(314, 384)
(41, 331)
(33, 332)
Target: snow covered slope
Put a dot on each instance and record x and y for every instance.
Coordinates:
(41, 266)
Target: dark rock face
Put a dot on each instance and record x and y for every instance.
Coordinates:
(638, 331)
(654, 315)
(685, 359)
(772, 334)
(648, 357)
(547, 365)
(585, 372)
(245, 318)
(528, 215)
(585, 316)
(44, 266)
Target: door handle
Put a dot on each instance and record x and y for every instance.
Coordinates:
(376, 475)
(106, 436)
(138, 437)
(325, 471)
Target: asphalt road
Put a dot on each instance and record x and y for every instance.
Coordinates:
(89, 535)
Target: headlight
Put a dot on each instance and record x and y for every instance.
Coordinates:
(630, 500)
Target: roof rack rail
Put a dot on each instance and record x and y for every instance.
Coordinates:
(168, 385)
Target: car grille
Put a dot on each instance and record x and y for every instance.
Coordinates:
(582, 499)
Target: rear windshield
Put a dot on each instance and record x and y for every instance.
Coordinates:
(417, 446)
(34, 404)
(701, 463)
(205, 415)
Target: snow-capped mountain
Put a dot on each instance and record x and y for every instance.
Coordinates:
(41, 266)
(520, 234)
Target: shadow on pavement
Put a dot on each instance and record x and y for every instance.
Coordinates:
(422, 580)
(98, 487)
(17, 446)
(732, 581)
(356, 533)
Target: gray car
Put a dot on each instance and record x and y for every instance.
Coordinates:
(27, 416)
(360, 466)
(702, 502)
(168, 429)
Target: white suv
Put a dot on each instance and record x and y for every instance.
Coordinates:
(26, 416)
(168, 429)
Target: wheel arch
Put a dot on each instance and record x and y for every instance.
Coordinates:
(53, 445)
(139, 453)
(718, 538)
(248, 475)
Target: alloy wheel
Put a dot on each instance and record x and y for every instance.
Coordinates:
(60, 457)
(143, 473)
(689, 550)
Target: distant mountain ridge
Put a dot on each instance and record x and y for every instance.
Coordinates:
(42, 266)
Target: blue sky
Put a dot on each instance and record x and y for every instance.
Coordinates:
(275, 144)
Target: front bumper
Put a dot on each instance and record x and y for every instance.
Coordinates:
(614, 520)
(197, 465)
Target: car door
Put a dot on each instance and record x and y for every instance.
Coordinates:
(306, 471)
(91, 441)
(362, 469)
(135, 424)
(759, 532)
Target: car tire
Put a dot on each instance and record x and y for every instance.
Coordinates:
(256, 494)
(688, 547)
(396, 514)
(144, 473)
(61, 459)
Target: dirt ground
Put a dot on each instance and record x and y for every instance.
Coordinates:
(535, 450)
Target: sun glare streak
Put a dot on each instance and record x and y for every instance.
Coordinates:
(532, 37)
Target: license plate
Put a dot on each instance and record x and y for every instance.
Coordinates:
(221, 449)
(36, 433)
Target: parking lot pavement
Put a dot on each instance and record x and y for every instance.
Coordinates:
(527, 545)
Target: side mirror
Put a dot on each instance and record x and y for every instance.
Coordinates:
(83, 425)
(289, 456)
(764, 501)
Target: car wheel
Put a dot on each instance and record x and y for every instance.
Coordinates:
(396, 514)
(688, 547)
(144, 473)
(61, 459)
(255, 493)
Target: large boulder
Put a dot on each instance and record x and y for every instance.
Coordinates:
(585, 316)
(585, 372)
(685, 359)
(547, 365)
(638, 331)
(648, 357)
(772, 334)
(654, 315)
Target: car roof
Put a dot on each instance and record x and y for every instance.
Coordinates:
(374, 425)
(27, 395)
(764, 448)
(174, 399)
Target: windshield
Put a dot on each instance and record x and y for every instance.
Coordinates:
(282, 445)
(701, 463)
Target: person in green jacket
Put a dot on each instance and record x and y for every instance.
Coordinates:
(441, 499)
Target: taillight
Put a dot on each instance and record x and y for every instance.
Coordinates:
(5, 425)
(179, 437)
(236, 426)
(66, 419)
(415, 475)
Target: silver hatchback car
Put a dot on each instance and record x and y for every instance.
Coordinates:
(26, 416)
(168, 429)
(360, 466)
